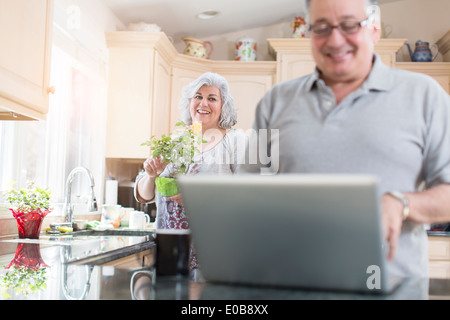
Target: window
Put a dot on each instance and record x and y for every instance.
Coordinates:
(72, 135)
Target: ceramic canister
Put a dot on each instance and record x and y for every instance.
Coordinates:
(245, 49)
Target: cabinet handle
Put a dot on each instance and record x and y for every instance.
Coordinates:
(51, 90)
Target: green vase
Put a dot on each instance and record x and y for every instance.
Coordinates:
(167, 187)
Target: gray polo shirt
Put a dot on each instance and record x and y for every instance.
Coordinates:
(395, 126)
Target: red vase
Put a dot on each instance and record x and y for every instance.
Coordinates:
(28, 255)
(29, 223)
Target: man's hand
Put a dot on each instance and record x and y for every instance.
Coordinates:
(392, 219)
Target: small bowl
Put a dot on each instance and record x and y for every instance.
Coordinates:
(79, 224)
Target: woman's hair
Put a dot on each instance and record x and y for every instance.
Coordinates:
(228, 116)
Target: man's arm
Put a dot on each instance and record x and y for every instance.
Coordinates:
(429, 206)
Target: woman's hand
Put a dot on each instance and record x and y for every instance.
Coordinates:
(177, 198)
(145, 189)
(154, 167)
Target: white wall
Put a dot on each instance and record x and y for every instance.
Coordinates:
(224, 44)
(84, 24)
(79, 31)
(417, 20)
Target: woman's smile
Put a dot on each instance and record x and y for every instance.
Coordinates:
(206, 107)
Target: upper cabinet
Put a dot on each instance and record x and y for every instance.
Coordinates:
(248, 83)
(439, 71)
(146, 78)
(294, 59)
(25, 40)
(138, 91)
(147, 75)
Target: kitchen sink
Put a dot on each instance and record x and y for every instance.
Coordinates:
(101, 232)
(91, 234)
(70, 238)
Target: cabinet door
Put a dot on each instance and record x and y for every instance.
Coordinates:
(161, 102)
(439, 269)
(130, 96)
(440, 71)
(247, 91)
(294, 65)
(181, 77)
(439, 248)
(248, 82)
(444, 81)
(294, 57)
(439, 257)
(25, 38)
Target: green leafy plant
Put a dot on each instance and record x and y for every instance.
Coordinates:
(26, 273)
(27, 199)
(23, 280)
(179, 148)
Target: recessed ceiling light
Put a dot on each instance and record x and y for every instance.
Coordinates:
(205, 15)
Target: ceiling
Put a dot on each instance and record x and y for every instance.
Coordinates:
(177, 18)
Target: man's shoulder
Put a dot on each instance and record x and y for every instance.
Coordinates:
(412, 78)
(302, 83)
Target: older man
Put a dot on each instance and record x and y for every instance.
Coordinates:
(356, 115)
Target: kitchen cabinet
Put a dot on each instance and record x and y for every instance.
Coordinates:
(143, 259)
(248, 82)
(25, 39)
(185, 69)
(440, 71)
(439, 257)
(147, 75)
(146, 78)
(138, 91)
(294, 59)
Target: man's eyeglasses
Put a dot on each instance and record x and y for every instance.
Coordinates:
(323, 29)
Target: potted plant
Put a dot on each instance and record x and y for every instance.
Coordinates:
(179, 149)
(29, 206)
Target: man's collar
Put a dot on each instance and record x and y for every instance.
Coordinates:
(379, 78)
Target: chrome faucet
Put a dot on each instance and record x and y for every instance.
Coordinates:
(66, 255)
(68, 206)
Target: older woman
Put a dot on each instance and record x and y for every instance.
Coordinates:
(206, 100)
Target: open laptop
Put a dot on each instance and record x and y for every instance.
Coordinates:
(309, 231)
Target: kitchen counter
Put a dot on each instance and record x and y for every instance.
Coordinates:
(57, 263)
(85, 247)
(64, 268)
(438, 233)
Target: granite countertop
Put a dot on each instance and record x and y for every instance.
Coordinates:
(438, 233)
(57, 266)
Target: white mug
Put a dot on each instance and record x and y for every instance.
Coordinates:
(125, 216)
(138, 220)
